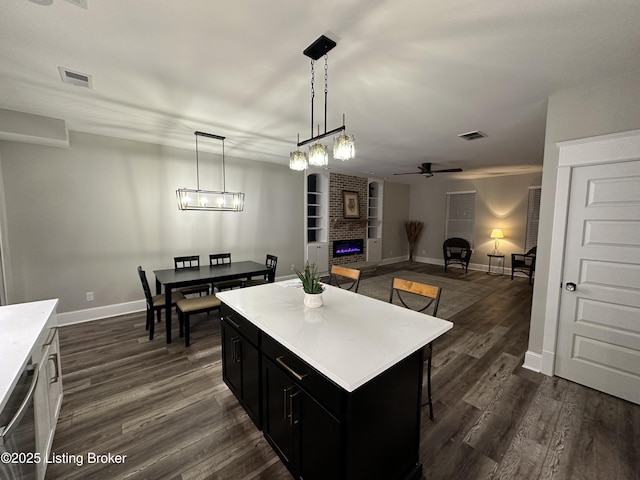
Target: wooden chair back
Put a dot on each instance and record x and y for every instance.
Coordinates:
(219, 258)
(431, 294)
(145, 286)
(188, 261)
(338, 275)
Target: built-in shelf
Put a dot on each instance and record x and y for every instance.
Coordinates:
(374, 212)
(316, 219)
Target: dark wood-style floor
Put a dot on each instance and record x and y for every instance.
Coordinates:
(166, 408)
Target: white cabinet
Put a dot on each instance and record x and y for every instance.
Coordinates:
(374, 249)
(318, 253)
(316, 220)
(48, 395)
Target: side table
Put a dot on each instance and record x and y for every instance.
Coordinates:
(500, 259)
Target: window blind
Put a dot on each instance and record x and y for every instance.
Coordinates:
(461, 215)
(533, 218)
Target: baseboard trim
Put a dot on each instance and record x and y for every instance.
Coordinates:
(391, 260)
(97, 313)
(532, 361)
(106, 311)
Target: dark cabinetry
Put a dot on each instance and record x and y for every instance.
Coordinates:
(320, 430)
(306, 435)
(241, 361)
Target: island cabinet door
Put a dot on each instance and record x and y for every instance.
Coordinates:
(241, 369)
(304, 434)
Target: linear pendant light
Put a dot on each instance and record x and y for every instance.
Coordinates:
(209, 200)
(344, 145)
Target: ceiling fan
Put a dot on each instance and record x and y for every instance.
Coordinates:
(425, 171)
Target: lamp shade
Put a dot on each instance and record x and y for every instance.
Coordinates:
(318, 155)
(497, 233)
(298, 160)
(344, 147)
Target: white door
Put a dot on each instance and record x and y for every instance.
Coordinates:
(599, 328)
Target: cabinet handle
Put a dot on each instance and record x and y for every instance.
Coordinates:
(5, 432)
(52, 337)
(54, 358)
(237, 354)
(297, 375)
(285, 403)
(292, 420)
(233, 324)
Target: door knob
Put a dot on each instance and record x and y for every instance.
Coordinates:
(571, 287)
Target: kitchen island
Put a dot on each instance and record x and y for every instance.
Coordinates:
(29, 351)
(336, 390)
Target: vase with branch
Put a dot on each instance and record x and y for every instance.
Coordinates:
(413, 229)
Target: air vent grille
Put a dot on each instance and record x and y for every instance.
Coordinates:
(75, 78)
(474, 135)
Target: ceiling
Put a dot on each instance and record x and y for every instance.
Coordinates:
(410, 76)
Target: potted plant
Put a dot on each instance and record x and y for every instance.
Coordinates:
(311, 285)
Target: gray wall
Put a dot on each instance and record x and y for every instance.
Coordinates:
(395, 210)
(81, 219)
(598, 109)
(501, 202)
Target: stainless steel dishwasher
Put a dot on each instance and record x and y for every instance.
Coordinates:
(19, 459)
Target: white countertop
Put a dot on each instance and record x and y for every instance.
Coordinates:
(20, 326)
(350, 339)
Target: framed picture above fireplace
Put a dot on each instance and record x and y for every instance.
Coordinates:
(350, 204)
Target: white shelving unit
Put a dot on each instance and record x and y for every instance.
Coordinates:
(316, 219)
(374, 217)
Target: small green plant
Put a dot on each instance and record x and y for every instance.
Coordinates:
(310, 278)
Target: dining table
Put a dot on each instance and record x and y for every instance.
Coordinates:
(174, 278)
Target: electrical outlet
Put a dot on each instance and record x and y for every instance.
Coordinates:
(89, 296)
(293, 267)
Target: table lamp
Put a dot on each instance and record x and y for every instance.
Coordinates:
(496, 233)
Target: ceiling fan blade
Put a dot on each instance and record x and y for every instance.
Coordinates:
(446, 170)
(409, 173)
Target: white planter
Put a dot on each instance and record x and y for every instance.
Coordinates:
(313, 300)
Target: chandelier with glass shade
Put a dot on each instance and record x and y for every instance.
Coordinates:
(343, 145)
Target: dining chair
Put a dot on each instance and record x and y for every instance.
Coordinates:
(419, 297)
(271, 262)
(221, 259)
(192, 306)
(191, 261)
(345, 277)
(155, 303)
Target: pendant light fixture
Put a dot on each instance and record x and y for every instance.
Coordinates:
(209, 200)
(298, 160)
(344, 146)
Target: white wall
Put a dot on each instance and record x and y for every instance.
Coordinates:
(501, 202)
(597, 109)
(82, 219)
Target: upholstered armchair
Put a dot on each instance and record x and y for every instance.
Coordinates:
(457, 251)
(524, 263)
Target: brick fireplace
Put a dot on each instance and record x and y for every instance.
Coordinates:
(341, 229)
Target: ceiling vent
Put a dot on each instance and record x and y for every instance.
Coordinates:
(474, 135)
(75, 78)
